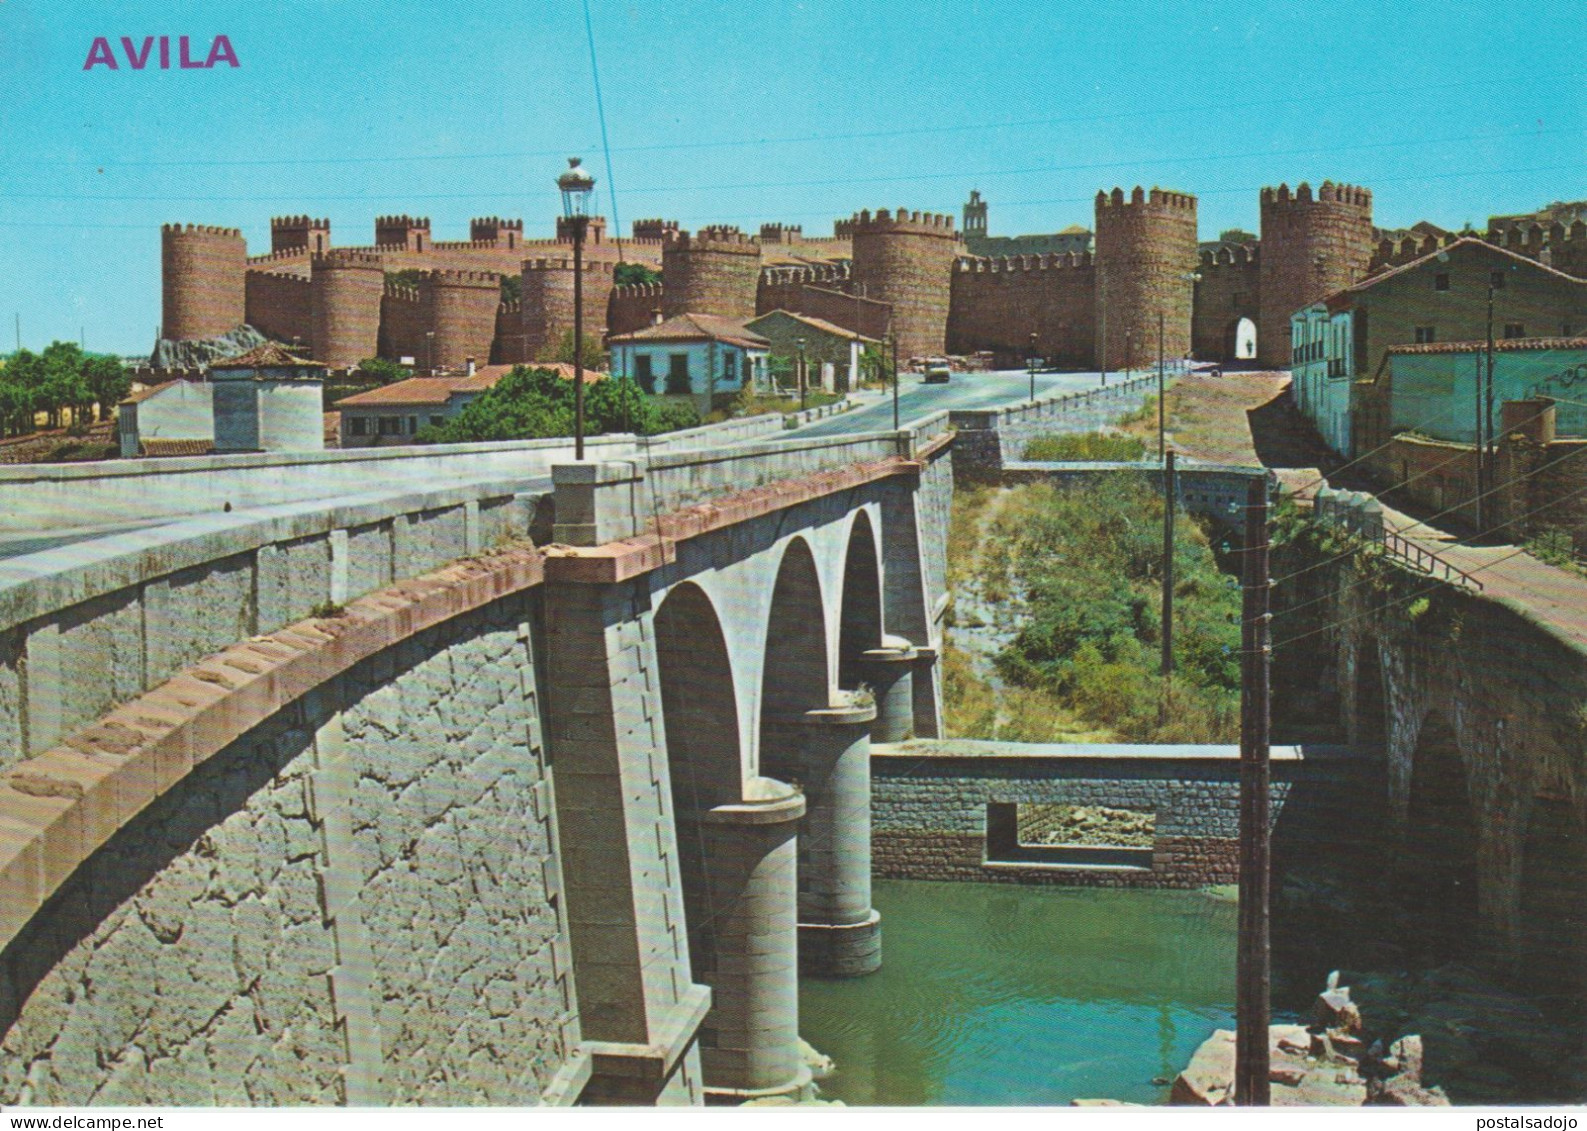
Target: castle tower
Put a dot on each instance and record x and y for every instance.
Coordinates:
(594, 231)
(1145, 254)
(203, 277)
(461, 309)
(1310, 248)
(975, 216)
(781, 233)
(411, 233)
(906, 259)
(503, 233)
(713, 271)
(300, 233)
(654, 230)
(345, 289)
(547, 303)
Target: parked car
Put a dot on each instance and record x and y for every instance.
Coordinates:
(937, 371)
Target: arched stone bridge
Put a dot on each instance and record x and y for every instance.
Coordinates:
(379, 800)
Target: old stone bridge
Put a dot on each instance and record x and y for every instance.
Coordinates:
(374, 799)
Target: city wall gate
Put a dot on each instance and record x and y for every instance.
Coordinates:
(538, 826)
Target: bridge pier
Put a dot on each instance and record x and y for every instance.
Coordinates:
(839, 932)
(749, 1043)
(890, 672)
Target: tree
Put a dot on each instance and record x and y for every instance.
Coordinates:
(64, 385)
(629, 274)
(595, 356)
(382, 371)
(108, 381)
(536, 403)
(511, 288)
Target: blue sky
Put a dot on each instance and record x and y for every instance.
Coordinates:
(745, 112)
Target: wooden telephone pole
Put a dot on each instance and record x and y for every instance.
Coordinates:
(1254, 968)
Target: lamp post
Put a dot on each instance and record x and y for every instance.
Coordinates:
(892, 345)
(1129, 351)
(1030, 364)
(429, 352)
(800, 344)
(577, 187)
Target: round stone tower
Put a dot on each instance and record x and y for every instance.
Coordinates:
(345, 289)
(713, 271)
(1310, 248)
(203, 281)
(461, 306)
(906, 259)
(547, 306)
(1146, 253)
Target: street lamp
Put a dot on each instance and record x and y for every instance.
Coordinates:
(577, 188)
(800, 344)
(1129, 356)
(429, 352)
(1030, 364)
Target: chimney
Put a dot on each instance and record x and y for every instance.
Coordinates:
(468, 367)
(655, 316)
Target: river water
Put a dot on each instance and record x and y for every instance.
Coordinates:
(1025, 995)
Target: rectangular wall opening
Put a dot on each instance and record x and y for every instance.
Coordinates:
(1064, 835)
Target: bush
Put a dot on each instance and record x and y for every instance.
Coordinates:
(1085, 446)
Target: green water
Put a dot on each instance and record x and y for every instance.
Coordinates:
(1003, 994)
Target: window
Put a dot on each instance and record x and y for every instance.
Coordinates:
(1425, 334)
(748, 369)
(357, 426)
(1496, 280)
(1514, 330)
(644, 373)
(390, 426)
(1441, 281)
(727, 365)
(678, 373)
(413, 425)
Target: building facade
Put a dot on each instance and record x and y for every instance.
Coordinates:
(692, 355)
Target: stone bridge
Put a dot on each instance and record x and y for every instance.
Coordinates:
(490, 791)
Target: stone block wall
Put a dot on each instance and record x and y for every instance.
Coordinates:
(1310, 248)
(203, 289)
(278, 307)
(999, 303)
(356, 902)
(929, 808)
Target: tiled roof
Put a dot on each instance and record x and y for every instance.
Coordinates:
(419, 391)
(147, 391)
(268, 356)
(158, 447)
(820, 324)
(697, 328)
(1500, 345)
(1341, 298)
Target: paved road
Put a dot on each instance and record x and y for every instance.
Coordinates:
(966, 390)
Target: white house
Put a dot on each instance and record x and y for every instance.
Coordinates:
(168, 419)
(1322, 368)
(702, 355)
(268, 401)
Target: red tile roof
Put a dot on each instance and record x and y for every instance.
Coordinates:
(268, 356)
(157, 447)
(138, 396)
(820, 324)
(697, 328)
(418, 391)
(1341, 298)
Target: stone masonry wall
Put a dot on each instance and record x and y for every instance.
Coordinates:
(353, 903)
(929, 811)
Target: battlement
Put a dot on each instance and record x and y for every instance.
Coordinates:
(403, 221)
(1394, 252)
(510, 306)
(200, 230)
(1240, 255)
(298, 222)
(843, 229)
(781, 233)
(1157, 200)
(1330, 193)
(565, 263)
(493, 224)
(720, 237)
(286, 255)
(1530, 237)
(653, 229)
(901, 221)
(461, 278)
(814, 275)
(401, 292)
(1006, 264)
(345, 259)
(637, 290)
(467, 245)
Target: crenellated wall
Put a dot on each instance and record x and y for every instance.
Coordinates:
(999, 303)
(345, 292)
(547, 302)
(1230, 288)
(280, 306)
(633, 306)
(906, 259)
(461, 309)
(712, 271)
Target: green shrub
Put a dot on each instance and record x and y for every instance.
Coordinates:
(1085, 446)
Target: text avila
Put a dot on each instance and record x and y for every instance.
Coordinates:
(155, 50)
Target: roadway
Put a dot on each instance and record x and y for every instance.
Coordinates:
(965, 391)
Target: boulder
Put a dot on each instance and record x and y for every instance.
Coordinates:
(1290, 1074)
(1335, 1010)
(1405, 1055)
(1208, 1080)
(1401, 1091)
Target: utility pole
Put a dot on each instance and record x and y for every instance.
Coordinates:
(1486, 461)
(1129, 352)
(1254, 963)
(1102, 315)
(1162, 430)
(1170, 498)
(895, 378)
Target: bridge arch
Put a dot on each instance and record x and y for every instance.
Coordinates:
(860, 605)
(1438, 878)
(796, 672)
